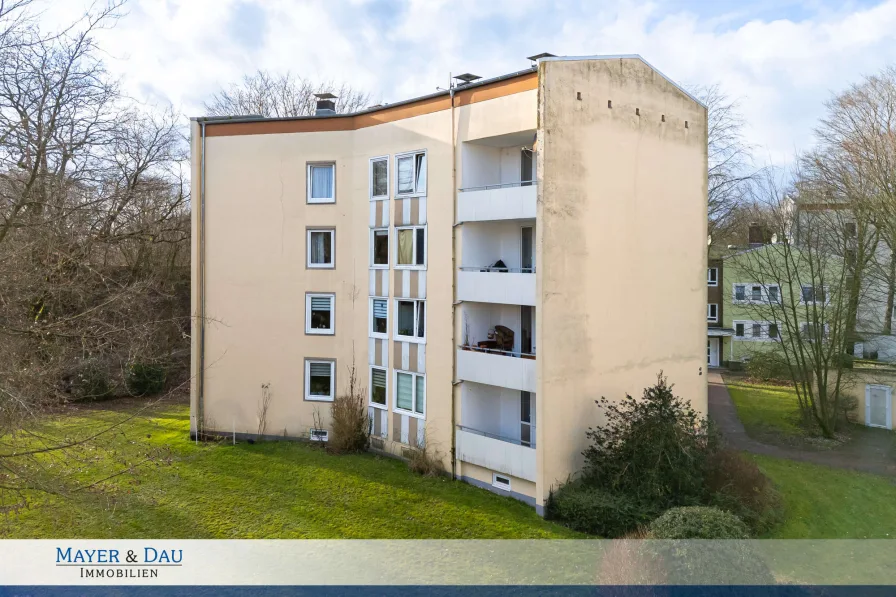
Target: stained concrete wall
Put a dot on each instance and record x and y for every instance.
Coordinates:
(621, 247)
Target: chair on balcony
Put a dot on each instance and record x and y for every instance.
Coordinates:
(498, 266)
(504, 338)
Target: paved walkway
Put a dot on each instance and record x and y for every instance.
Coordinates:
(863, 456)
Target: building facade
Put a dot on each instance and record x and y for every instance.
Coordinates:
(486, 257)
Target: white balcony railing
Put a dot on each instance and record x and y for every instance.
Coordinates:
(495, 453)
(514, 201)
(488, 285)
(497, 368)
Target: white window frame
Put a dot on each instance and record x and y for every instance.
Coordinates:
(499, 485)
(734, 298)
(415, 375)
(425, 247)
(767, 296)
(709, 315)
(413, 155)
(709, 278)
(370, 381)
(370, 331)
(804, 332)
(320, 331)
(380, 158)
(748, 331)
(332, 264)
(748, 293)
(825, 289)
(734, 325)
(373, 232)
(308, 197)
(332, 365)
(399, 337)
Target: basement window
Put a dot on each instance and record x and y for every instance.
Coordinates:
(501, 482)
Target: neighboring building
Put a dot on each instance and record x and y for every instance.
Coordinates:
(489, 258)
(716, 331)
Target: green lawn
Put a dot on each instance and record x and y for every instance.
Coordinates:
(826, 503)
(265, 490)
(766, 410)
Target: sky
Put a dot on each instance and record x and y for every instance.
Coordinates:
(781, 59)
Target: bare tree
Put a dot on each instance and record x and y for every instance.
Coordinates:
(281, 95)
(731, 169)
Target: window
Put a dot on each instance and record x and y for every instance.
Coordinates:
(379, 248)
(320, 380)
(712, 276)
(379, 178)
(850, 229)
(320, 248)
(757, 331)
(319, 317)
(739, 330)
(410, 393)
(318, 435)
(773, 331)
(813, 331)
(772, 292)
(501, 482)
(410, 320)
(411, 173)
(813, 294)
(321, 183)
(411, 247)
(712, 312)
(379, 318)
(756, 293)
(378, 387)
(740, 292)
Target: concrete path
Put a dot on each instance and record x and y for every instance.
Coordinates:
(722, 411)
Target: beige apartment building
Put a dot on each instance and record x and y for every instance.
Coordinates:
(492, 258)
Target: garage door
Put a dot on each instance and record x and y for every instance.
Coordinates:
(878, 406)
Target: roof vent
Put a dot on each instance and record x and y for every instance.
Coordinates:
(326, 104)
(537, 57)
(467, 78)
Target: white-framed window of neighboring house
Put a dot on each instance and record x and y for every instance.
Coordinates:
(379, 248)
(379, 318)
(410, 174)
(379, 178)
(379, 387)
(320, 380)
(812, 331)
(320, 313)
(320, 248)
(410, 393)
(410, 320)
(814, 295)
(712, 313)
(322, 182)
(755, 293)
(410, 247)
(712, 276)
(756, 331)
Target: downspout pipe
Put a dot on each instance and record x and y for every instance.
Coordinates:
(453, 287)
(200, 374)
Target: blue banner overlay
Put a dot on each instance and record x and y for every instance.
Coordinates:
(562, 566)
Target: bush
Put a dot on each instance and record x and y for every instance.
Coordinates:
(849, 406)
(653, 450)
(847, 361)
(425, 461)
(735, 366)
(768, 366)
(698, 522)
(144, 379)
(90, 382)
(736, 484)
(595, 511)
(351, 423)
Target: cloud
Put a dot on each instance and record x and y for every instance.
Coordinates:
(782, 59)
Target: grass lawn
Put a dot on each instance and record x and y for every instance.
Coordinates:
(766, 410)
(266, 490)
(827, 503)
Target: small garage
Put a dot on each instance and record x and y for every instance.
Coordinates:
(874, 392)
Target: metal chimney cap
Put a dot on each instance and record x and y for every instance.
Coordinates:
(467, 78)
(542, 55)
(325, 96)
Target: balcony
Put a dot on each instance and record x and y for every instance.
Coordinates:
(510, 201)
(509, 286)
(500, 368)
(496, 453)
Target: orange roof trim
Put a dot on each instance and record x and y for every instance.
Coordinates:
(464, 97)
